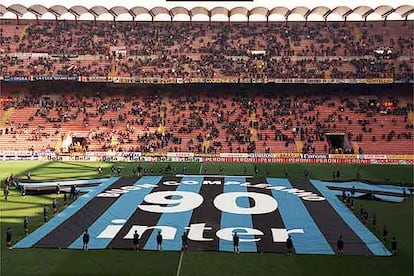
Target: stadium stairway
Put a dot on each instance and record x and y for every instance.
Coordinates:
(58, 145)
(114, 68)
(411, 117)
(299, 146)
(355, 146)
(6, 116)
(253, 134)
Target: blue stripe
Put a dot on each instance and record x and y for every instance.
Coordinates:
(365, 186)
(229, 220)
(64, 183)
(52, 224)
(296, 216)
(396, 199)
(371, 241)
(178, 220)
(122, 208)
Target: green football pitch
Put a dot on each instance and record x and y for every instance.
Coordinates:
(397, 216)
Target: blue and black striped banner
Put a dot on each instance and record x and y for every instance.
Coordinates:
(263, 212)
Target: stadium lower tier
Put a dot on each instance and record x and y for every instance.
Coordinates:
(68, 117)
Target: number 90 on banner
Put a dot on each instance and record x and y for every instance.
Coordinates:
(181, 201)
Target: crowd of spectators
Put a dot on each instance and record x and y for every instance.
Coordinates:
(194, 50)
(212, 121)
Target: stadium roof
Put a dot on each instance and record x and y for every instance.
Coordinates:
(218, 10)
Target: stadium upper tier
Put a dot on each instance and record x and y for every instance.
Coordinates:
(325, 50)
(265, 13)
(207, 118)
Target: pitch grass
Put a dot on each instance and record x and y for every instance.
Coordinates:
(397, 216)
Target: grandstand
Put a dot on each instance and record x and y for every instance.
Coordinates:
(285, 108)
(172, 54)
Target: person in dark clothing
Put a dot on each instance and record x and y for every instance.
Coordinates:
(134, 171)
(44, 214)
(159, 241)
(236, 243)
(256, 170)
(353, 191)
(75, 192)
(366, 216)
(100, 171)
(54, 206)
(6, 192)
(374, 222)
(340, 245)
(184, 241)
(135, 240)
(361, 213)
(9, 238)
(289, 246)
(118, 170)
(384, 234)
(26, 225)
(139, 170)
(338, 174)
(72, 192)
(65, 198)
(394, 244)
(85, 240)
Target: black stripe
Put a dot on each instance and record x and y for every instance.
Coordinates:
(63, 235)
(209, 214)
(365, 191)
(141, 217)
(264, 222)
(330, 223)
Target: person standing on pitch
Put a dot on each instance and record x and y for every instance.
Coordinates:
(289, 246)
(236, 243)
(159, 241)
(184, 241)
(26, 225)
(394, 244)
(85, 239)
(135, 241)
(340, 245)
(9, 238)
(54, 206)
(44, 214)
(6, 191)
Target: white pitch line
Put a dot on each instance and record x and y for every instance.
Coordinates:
(201, 168)
(179, 263)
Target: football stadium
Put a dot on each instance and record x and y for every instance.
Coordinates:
(172, 137)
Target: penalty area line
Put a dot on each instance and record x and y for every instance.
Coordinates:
(179, 263)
